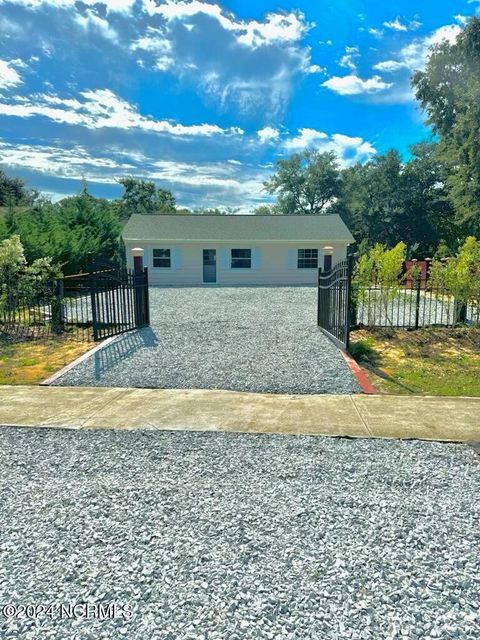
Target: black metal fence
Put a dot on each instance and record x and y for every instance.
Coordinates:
(413, 305)
(410, 304)
(119, 301)
(106, 301)
(334, 302)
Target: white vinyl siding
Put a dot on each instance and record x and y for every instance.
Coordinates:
(272, 264)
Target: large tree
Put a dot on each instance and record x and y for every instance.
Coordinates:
(449, 92)
(142, 196)
(388, 201)
(306, 183)
(71, 232)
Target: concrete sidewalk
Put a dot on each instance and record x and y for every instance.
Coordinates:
(429, 418)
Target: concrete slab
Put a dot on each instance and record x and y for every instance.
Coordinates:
(450, 419)
(51, 406)
(423, 417)
(231, 411)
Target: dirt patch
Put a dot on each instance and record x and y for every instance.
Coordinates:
(31, 361)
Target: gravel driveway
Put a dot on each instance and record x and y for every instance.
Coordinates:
(261, 339)
(233, 536)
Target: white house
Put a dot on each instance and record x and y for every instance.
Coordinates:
(236, 249)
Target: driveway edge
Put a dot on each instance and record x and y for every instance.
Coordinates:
(58, 374)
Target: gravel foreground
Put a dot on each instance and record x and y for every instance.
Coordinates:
(259, 339)
(235, 536)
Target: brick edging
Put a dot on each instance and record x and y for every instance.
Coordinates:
(360, 377)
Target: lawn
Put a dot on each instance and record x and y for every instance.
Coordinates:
(439, 362)
(31, 361)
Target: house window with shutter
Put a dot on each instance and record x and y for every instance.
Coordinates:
(307, 259)
(162, 258)
(241, 259)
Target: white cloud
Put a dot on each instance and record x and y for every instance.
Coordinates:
(462, 20)
(211, 184)
(349, 150)
(90, 20)
(353, 85)
(415, 54)
(59, 162)
(376, 33)
(268, 134)
(8, 75)
(103, 109)
(276, 27)
(253, 65)
(389, 65)
(348, 59)
(113, 6)
(315, 68)
(398, 25)
(305, 139)
(154, 40)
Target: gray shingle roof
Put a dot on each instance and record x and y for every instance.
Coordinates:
(236, 227)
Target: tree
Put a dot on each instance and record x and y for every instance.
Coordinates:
(142, 196)
(381, 267)
(20, 282)
(306, 183)
(12, 190)
(266, 210)
(217, 211)
(71, 231)
(460, 277)
(449, 92)
(387, 201)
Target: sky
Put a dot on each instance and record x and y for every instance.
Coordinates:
(204, 97)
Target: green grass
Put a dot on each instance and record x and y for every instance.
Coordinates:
(439, 362)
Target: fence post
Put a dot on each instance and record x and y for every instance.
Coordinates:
(93, 302)
(351, 311)
(417, 302)
(138, 277)
(58, 308)
(460, 312)
(318, 296)
(146, 297)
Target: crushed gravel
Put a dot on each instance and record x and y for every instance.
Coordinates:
(260, 339)
(234, 536)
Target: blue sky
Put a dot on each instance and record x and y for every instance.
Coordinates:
(203, 97)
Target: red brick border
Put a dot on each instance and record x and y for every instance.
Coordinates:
(361, 378)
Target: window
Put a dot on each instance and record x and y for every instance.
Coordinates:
(241, 258)
(307, 259)
(161, 258)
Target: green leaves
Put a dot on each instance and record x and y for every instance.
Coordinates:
(449, 92)
(142, 196)
(306, 183)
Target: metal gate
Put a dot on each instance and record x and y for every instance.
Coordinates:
(119, 300)
(334, 302)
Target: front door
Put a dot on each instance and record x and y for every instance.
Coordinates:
(210, 265)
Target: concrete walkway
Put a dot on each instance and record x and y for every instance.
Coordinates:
(428, 418)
